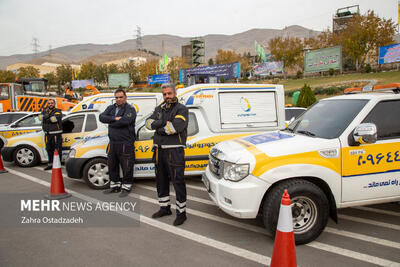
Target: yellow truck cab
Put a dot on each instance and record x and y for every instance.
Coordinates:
(217, 112)
(342, 152)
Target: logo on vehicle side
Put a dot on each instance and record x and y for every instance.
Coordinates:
(245, 104)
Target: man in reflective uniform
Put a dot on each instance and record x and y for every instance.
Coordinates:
(120, 118)
(52, 127)
(170, 121)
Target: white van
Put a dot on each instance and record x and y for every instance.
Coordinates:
(344, 151)
(144, 103)
(217, 112)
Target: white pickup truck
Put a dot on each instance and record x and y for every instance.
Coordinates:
(342, 152)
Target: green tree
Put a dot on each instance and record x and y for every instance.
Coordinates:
(306, 97)
(364, 35)
(210, 62)
(148, 68)
(28, 72)
(64, 73)
(101, 73)
(7, 76)
(174, 66)
(51, 77)
(289, 50)
(87, 71)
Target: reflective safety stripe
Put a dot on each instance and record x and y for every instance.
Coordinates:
(54, 132)
(164, 204)
(180, 117)
(285, 221)
(148, 124)
(181, 205)
(163, 199)
(127, 186)
(115, 184)
(180, 209)
(169, 129)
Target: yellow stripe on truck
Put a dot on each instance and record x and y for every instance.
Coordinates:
(265, 163)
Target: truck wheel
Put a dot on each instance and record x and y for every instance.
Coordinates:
(310, 209)
(26, 156)
(95, 173)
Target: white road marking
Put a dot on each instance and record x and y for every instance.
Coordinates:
(362, 237)
(368, 221)
(379, 211)
(211, 217)
(353, 254)
(196, 187)
(314, 244)
(249, 255)
(201, 200)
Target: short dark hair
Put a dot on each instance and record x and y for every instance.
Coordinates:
(168, 85)
(120, 91)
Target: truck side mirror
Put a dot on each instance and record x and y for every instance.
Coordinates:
(365, 133)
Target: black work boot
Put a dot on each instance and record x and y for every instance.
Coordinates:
(112, 190)
(161, 213)
(180, 218)
(124, 193)
(48, 167)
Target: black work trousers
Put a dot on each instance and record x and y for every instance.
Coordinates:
(121, 155)
(53, 142)
(170, 166)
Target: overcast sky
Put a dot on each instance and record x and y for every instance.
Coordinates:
(60, 22)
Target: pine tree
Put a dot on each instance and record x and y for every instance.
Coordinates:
(306, 97)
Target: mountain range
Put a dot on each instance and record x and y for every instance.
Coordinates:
(99, 53)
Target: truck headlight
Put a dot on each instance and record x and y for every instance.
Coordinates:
(72, 153)
(235, 172)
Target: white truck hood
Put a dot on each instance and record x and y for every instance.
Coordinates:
(272, 144)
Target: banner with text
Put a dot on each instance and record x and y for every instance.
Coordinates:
(323, 59)
(389, 54)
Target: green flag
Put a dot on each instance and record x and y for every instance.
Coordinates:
(255, 46)
(165, 59)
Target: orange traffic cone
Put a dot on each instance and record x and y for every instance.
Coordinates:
(2, 170)
(284, 253)
(57, 190)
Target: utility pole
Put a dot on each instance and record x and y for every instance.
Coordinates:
(139, 44)
(35, 46)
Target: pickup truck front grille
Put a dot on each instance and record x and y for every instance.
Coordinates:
(216, 166)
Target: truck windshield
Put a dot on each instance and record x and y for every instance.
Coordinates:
(328, 118)
(3, 91)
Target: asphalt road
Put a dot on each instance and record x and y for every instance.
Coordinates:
(365, 236)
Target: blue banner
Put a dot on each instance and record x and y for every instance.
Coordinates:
(159, 78)
(81, 83)
(389, 54)
(228, 71)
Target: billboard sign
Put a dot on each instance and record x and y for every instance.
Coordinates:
(389, 54)
(159, 78)
(118, 79)
(268, 68)
(323, 59)
(81, 83)
(228, 71)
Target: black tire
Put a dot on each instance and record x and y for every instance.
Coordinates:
(25, 156)
(95, 173)
(310, 209)
(1, 144)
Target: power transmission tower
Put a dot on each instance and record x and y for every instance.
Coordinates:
(35, 46)
(139, 44)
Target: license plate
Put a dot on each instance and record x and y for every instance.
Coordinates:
(206, 182)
